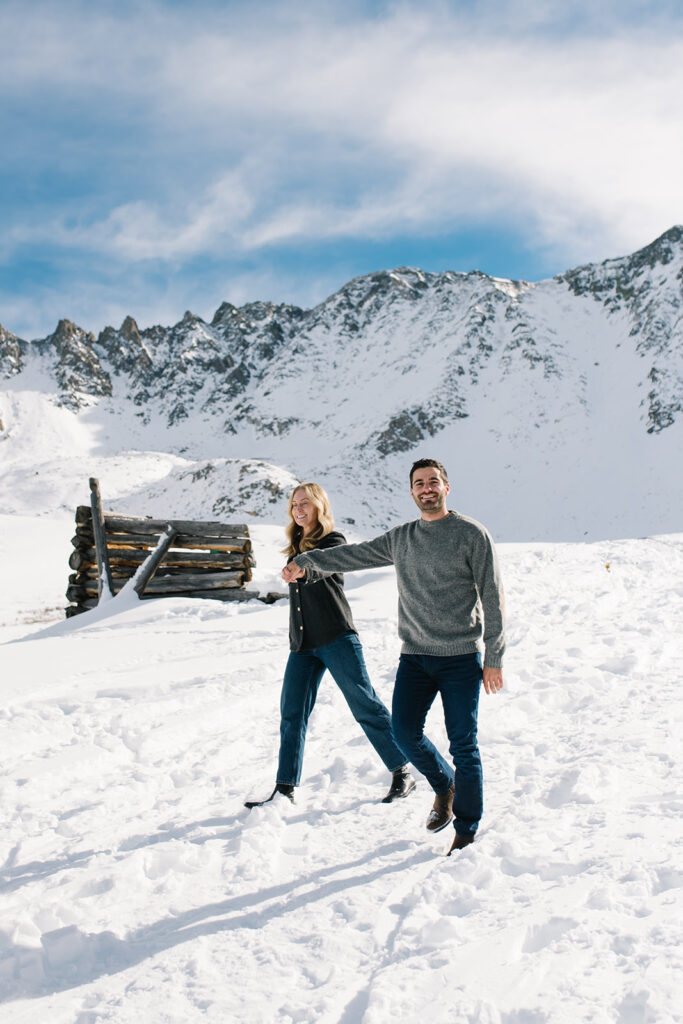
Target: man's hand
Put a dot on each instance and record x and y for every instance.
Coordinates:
(493, 679)
(292, 572)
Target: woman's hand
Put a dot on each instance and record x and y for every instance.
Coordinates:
(292, 572)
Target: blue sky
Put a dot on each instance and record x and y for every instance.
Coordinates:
(163, 156)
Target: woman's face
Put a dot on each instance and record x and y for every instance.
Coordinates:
(304, 512)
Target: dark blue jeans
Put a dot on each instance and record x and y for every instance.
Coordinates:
(344, 660)
(458, 679)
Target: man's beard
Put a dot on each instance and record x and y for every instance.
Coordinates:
(432, 502)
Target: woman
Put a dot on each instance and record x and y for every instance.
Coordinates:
(322, 636)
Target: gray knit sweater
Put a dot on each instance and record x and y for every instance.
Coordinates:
(450, 595)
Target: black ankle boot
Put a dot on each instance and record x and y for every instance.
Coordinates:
(402, 783)
(280, 787)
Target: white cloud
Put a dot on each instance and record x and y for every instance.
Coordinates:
(317, 125)
(138, 231)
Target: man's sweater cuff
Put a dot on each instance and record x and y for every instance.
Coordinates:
(493, 661)
(312, 574)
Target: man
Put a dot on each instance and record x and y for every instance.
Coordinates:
(450, 599)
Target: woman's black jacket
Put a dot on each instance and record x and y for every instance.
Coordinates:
(318, 610)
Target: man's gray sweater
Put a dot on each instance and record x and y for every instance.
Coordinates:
(450, 594)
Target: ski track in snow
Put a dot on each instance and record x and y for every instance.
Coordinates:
(134, 886)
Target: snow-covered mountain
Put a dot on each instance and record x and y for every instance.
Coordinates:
(557, 406)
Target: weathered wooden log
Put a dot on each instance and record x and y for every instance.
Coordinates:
(195, 559)
(85, 539)
(116, 523)
(236, 594)
(175, 557)
(184, 589)
(220, 544)
(78, 561)
(183, 584)
(97, 516)
(190, 543)
(202, 570)
(73, 609)
(86, 604)
(164, 584)
(231, 594)
(146, 571)
(125, 572)
(203, 573)
(89, 572)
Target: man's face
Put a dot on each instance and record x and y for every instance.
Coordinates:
(429, 490)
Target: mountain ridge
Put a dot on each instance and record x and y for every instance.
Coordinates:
(395, 362)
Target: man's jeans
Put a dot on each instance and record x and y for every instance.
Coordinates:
(458, 679)
(344, 660)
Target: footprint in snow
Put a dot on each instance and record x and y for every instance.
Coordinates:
(541, 935)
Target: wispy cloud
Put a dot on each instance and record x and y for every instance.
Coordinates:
(229, 130)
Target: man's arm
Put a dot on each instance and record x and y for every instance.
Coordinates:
(292, 572)
(344, 558)
(486, 572)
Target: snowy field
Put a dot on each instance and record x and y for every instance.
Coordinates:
(135, 888)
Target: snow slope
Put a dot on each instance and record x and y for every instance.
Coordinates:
(134, 886)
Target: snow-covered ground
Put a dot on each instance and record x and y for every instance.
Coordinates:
(135, 887)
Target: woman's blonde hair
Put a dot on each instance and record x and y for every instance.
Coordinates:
(295, 535)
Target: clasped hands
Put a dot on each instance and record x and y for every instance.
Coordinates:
(292, 572)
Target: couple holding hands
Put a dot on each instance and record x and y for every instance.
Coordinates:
(450, 601)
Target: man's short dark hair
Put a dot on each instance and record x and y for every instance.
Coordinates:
(424, 464)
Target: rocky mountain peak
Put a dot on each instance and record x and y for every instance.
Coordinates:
(189, 319)
(129, 330)
(124, 349)
(662, 251)
(623, 274)
(68, 334)
(79, 374)
(646, 288)
(12, 349)
(223, 314)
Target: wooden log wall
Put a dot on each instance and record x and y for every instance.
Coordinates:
(205, 559)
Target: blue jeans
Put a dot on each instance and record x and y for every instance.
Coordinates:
(458, 679)
(344, 660)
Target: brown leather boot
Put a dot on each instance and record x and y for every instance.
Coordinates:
(459, 843)
(442, 811)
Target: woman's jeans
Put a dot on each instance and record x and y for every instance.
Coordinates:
(458, 679)
(344, 660)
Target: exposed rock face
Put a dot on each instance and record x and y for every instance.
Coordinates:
(11, 353)
(647, 287)
(391, 359)
(70, 357)
(124, 349)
